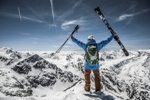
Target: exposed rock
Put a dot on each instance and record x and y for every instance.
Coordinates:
(22, 68)
(48, 79)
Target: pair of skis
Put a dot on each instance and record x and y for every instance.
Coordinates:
(102, 17)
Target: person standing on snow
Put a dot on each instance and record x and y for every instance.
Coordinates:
(92, 49)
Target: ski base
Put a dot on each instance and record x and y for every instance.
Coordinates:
(116, 37)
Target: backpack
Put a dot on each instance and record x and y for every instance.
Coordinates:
(92, 55)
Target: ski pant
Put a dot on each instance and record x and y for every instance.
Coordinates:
(97, 80)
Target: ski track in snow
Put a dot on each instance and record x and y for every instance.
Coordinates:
(122, 77)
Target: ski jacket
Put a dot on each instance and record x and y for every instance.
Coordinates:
(99, 45)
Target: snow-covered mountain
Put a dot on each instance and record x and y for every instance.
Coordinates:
(40, 76)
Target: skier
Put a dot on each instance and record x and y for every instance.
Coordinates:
(92, 49)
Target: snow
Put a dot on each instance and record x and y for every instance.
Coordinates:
(123, 77)
(76, 93)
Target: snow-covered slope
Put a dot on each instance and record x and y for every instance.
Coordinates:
(39, 76)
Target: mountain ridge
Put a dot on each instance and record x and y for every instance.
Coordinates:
(62, 75)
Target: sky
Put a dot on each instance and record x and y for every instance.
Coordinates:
(44, 25)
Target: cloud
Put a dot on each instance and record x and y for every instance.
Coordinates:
(19, 13)
(23, 17)
(32, 19)
(67, 24)
(26, 34)
(127, 16)
(52, 8)
(52, 25)
(70, 11)
(124, 17)
(35, 42)
(34, 38)
(142, 11)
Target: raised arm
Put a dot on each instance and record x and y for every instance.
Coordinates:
(104, 42)
(79, 43)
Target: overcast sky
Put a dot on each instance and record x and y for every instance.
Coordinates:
(44, 24)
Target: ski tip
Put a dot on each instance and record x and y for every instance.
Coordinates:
(97, 9)
(77, 27)
(127, 54)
